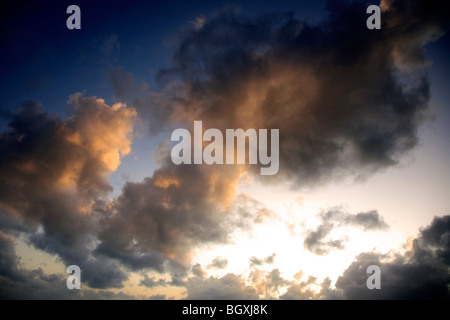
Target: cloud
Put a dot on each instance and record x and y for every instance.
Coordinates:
(304, 290)
(345, 105)
(347, 101)
(157, 297)
(335, 218)
(18, 283)
(58, 196)
(314, 240)
(370, 220)
(229, 287)
(198, 271)
(267, 284)
(218, 263)
(54, 178)
(169, 214)
(254, 261)
(152, 282)
(8, 261)
(420, 273)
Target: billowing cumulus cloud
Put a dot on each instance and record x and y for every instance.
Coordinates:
(55, 187)
(347, 100)
(173, 212)
(54, 177)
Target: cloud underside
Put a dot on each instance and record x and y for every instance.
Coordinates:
(348, 102)
(420, 271)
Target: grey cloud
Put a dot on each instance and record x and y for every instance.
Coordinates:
(173, 212)
(370, 220)
(168, 214)
(36, 285)
(334, 218)
(198, 271)
(153, 224)
(157, 297)
(348, 101)
(302, 291)
(8, 258)
(17, 283)
(152, 282)
(341, 95)
(229, 287)
(314, 240)
(254, 261)
(218, 263)
(51, 169)
(275, 281)
(420, 273)
(270, 259)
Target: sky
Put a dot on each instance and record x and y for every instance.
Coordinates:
(87, 178)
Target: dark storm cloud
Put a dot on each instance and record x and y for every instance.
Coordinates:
(335, 218)
(420, 273)
(347, 100)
